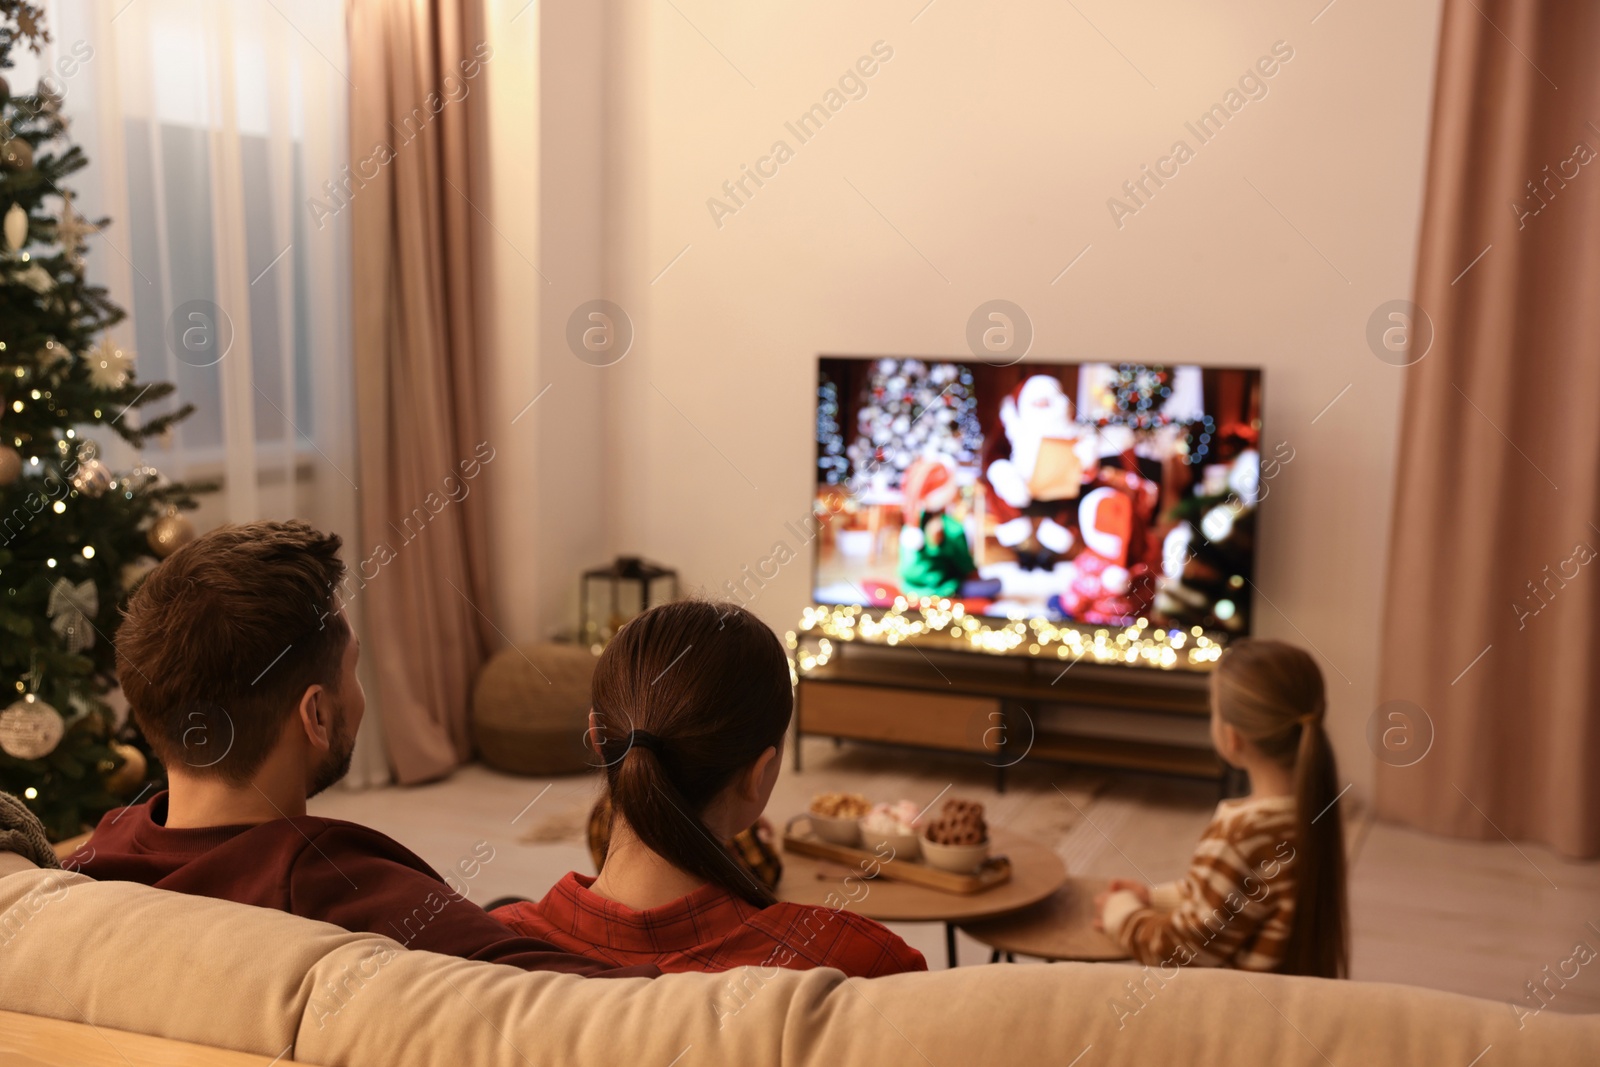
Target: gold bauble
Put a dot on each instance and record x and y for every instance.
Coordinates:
(130, 776)
(169, 533)
(16, 154)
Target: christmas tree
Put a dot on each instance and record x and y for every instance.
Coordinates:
(74, 534)
(913, 410)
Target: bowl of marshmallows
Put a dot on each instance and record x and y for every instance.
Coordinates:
(892, 826)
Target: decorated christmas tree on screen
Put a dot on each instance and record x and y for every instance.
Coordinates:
(74, 534)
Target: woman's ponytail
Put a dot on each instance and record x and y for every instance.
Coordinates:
(665, 822)
(703, 690)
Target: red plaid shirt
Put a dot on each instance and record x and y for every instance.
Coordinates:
(710, 930)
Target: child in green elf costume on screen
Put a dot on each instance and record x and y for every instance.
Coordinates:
(935, 559)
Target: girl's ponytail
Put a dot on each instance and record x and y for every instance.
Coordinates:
(1273, 694)
(686, 697)
(1318, 944)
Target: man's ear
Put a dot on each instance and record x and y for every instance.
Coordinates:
(316, 716)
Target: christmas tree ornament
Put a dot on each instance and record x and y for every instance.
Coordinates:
(90, 477)
(52, 355)
(109, 365)
(169, 533)
(16, 227)
(16, 154)
(30, 729)
(72, 610)
(36, 278)
(130, 774)
(10, 465)
(71, 231)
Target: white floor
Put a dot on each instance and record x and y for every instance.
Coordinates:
(1477, 918)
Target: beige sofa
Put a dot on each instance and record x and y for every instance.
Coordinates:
(88, 966)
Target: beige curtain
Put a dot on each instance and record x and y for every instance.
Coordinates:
(415, 123)
(1493, 616)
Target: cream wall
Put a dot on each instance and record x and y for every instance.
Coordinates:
(977, 166)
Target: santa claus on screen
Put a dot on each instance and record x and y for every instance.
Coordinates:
(1107, 587)
(1037, 471)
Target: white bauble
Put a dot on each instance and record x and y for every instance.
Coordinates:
(31, 729)
(16, 227)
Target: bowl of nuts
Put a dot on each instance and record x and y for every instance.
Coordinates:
(958, 839)
(836, 817)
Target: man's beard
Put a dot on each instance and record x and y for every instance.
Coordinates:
(341, 747)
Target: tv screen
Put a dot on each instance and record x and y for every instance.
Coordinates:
(1091, 493)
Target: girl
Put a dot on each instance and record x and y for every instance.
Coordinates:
(1266, 888)
(691, 702)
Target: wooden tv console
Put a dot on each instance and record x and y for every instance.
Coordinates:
(989, 705)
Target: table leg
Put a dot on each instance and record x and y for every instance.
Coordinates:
(994, 956)
(950, 945)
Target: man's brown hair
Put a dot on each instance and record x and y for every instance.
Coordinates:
(223, 638)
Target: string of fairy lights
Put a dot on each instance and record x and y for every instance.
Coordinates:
(938, 623)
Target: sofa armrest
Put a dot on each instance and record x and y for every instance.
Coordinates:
(34, 1039)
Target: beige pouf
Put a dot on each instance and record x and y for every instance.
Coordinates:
(530, 710)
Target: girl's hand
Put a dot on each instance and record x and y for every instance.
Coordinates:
(1138, 889)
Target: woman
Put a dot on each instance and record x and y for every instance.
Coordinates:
(691, 702)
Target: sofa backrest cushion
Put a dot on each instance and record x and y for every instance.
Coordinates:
(228, 975)
(11, 863)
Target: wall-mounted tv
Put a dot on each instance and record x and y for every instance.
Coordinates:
(1099, 494)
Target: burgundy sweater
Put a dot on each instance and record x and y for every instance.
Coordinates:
(326, 869)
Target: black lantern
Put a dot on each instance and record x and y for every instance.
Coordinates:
(613, 594)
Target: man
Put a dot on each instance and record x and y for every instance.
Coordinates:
(240, 667)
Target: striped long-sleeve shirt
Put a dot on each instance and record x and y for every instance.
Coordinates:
(1234, 907)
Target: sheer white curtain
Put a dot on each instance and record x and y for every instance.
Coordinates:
(213, 129)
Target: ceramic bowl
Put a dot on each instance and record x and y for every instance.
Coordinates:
(960, 859)
(906, 846)
(835, 830)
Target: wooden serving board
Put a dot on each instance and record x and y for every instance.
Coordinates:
(996, 870)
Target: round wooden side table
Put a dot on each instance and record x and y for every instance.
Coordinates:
(1061, 927)
(1036, 873)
